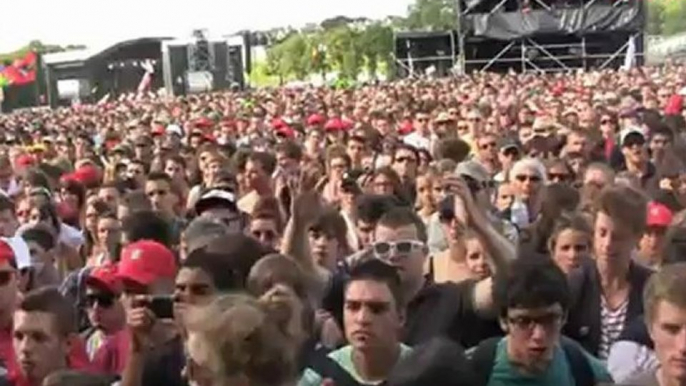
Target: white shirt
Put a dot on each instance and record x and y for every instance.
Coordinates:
(418, 141)
(22, 255)
(71, 236)
(13, 188)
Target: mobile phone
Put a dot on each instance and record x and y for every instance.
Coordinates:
(162, 307)
(446, 209)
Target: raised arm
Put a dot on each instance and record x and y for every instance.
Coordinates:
(296, 245)
(501, 251)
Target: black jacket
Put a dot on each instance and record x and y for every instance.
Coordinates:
(583, 324)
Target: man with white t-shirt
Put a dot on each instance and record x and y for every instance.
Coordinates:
(420, 138)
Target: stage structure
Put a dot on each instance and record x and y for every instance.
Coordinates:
(89, 74)
(550, 35)
(422, 53)
(201, 64)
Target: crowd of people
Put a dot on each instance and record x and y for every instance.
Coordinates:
(483, 230)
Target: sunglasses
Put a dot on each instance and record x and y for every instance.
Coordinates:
(384, 250)
(5, 277)
(523, 178)
(103, 300)
(632, 143)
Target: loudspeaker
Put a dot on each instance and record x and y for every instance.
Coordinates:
(221, 64)
(225, 67)
(175, 64)
(234, 70)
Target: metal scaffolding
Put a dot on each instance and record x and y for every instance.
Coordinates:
(418, 52)
(550, 52)
(530, 54)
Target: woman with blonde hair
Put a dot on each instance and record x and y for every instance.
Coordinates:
(234, 341)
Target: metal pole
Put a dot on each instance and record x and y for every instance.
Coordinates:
(583, 53)
(460, 38)
(523, 53)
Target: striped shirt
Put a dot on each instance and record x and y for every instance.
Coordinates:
(611, 326)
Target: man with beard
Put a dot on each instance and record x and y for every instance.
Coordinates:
(636, 161)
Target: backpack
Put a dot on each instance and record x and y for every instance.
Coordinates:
(327, 368)
(483, 359)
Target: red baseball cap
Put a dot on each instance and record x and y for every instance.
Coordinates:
(146, 261)
(659, 215)
(315, 119)
(88, 175)
(286, 131)
(278, 123)
(158, 130)
(335, 124)
(25, 160)
(406, 128)
(105, 277)
(6, 253)
(203, 123)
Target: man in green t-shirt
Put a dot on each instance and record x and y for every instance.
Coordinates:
(533, 300)
(372, 314)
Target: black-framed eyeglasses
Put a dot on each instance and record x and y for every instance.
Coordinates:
(527, 322)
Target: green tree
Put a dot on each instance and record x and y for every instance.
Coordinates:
(275, 62)
(655, 17)
(674, 17)
(376, 42)
(319, 56)
(343, 48)
(431, 15)
(296, 56)
(290, 57)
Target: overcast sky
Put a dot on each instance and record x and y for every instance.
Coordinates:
(99, 22)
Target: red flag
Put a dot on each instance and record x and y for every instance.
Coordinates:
(22, 71)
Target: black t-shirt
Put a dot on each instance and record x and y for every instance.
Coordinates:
(333, 299)
(163, 366)
(447, 309)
